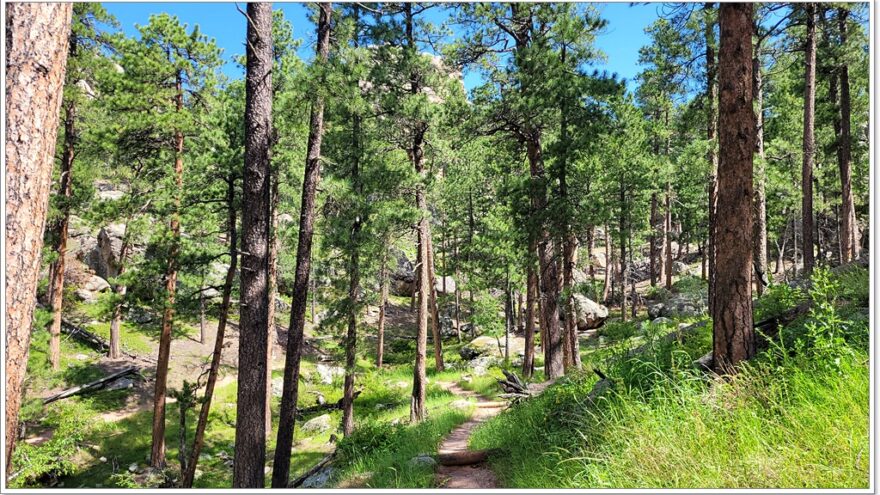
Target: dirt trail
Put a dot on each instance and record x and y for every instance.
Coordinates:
(471, 475)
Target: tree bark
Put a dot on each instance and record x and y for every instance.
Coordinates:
(250, 425)
(435, 312)
(652, 242)
(214, 371)
(667, 234)
(531, 296)
(273, 291)
(36, 59)
(157, 451)
(850, 244)
(733, 337)
(606, 291)
(284, 443)
(809, 139)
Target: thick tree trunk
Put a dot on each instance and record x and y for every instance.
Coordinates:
(284, 443)
(850, 243)
(733, 337)
(549, 285)
(712, 157)
(157, 451)
(120, 289)
(65, 190)
(809, 139)
(213, 372)
(250, 424)
(760, 248)
(36, 59)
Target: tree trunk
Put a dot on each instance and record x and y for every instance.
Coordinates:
(121, 290)
(809, 139)
(549, 294)
(157, 452)
(383, 301)
(57, 271)
(606, 291)
(667, 235)
(457, 295)
(652, 241)
(213, 372)
(712, 156)
(284, 443)
(273, 291)
(531, 296)
(250, 424)
(435, 313)
(850, 243)
(733, 337)
(354, 274)
(760, 248)
(418, 408)
(36, 59)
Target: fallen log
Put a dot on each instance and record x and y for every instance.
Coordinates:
(314, 469)
(97, 384)
(95, 341)
(465, 458)
(328, 406)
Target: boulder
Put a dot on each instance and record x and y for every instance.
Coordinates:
(589, 313)
(277, 386)
(321, 479)
(423, 460)
(680, 268)
(480, 365)
(317, 424)
(679, 305)
(84, 295)
(486, 345)
(450, 284)
(281, 305)
(103, 257)
(578, 276)
(96, 284)
(403, 275)
(327, 373)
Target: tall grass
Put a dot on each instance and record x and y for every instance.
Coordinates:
(795, 417)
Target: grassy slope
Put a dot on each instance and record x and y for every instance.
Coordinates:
(787, 420)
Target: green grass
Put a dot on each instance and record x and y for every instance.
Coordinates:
(795, 417)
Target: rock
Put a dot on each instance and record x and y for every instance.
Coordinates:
(579, 277)
(680, 268)
(103, 257)
(590, 314)
(102, 459)
(84, 295)
(661, 321)
(679, 305)
(277, 386)
(480, 346)
(96, 284)
(422, 460)
(480, 366)
(111, 195)
(318, 424)
(327, 373)
(403, 274)
(204, 456)
(281, 305)
(211, 294)
(198, 473)
(133, 467)
(139, 315)
(403, 287)
(450, 285)
(81, 357)
(461, 404)
(285, 218)
(320, 479)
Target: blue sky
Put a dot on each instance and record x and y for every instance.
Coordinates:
(620, 41)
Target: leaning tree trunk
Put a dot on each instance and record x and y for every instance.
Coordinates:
(733, 337)
(850, 245)
(36, 58)
(254, 325)
(213, 372)
(65, 190)
(157, 451)
(809, 139)
(284, 443)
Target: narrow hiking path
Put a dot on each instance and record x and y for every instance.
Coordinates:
(458, 466)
